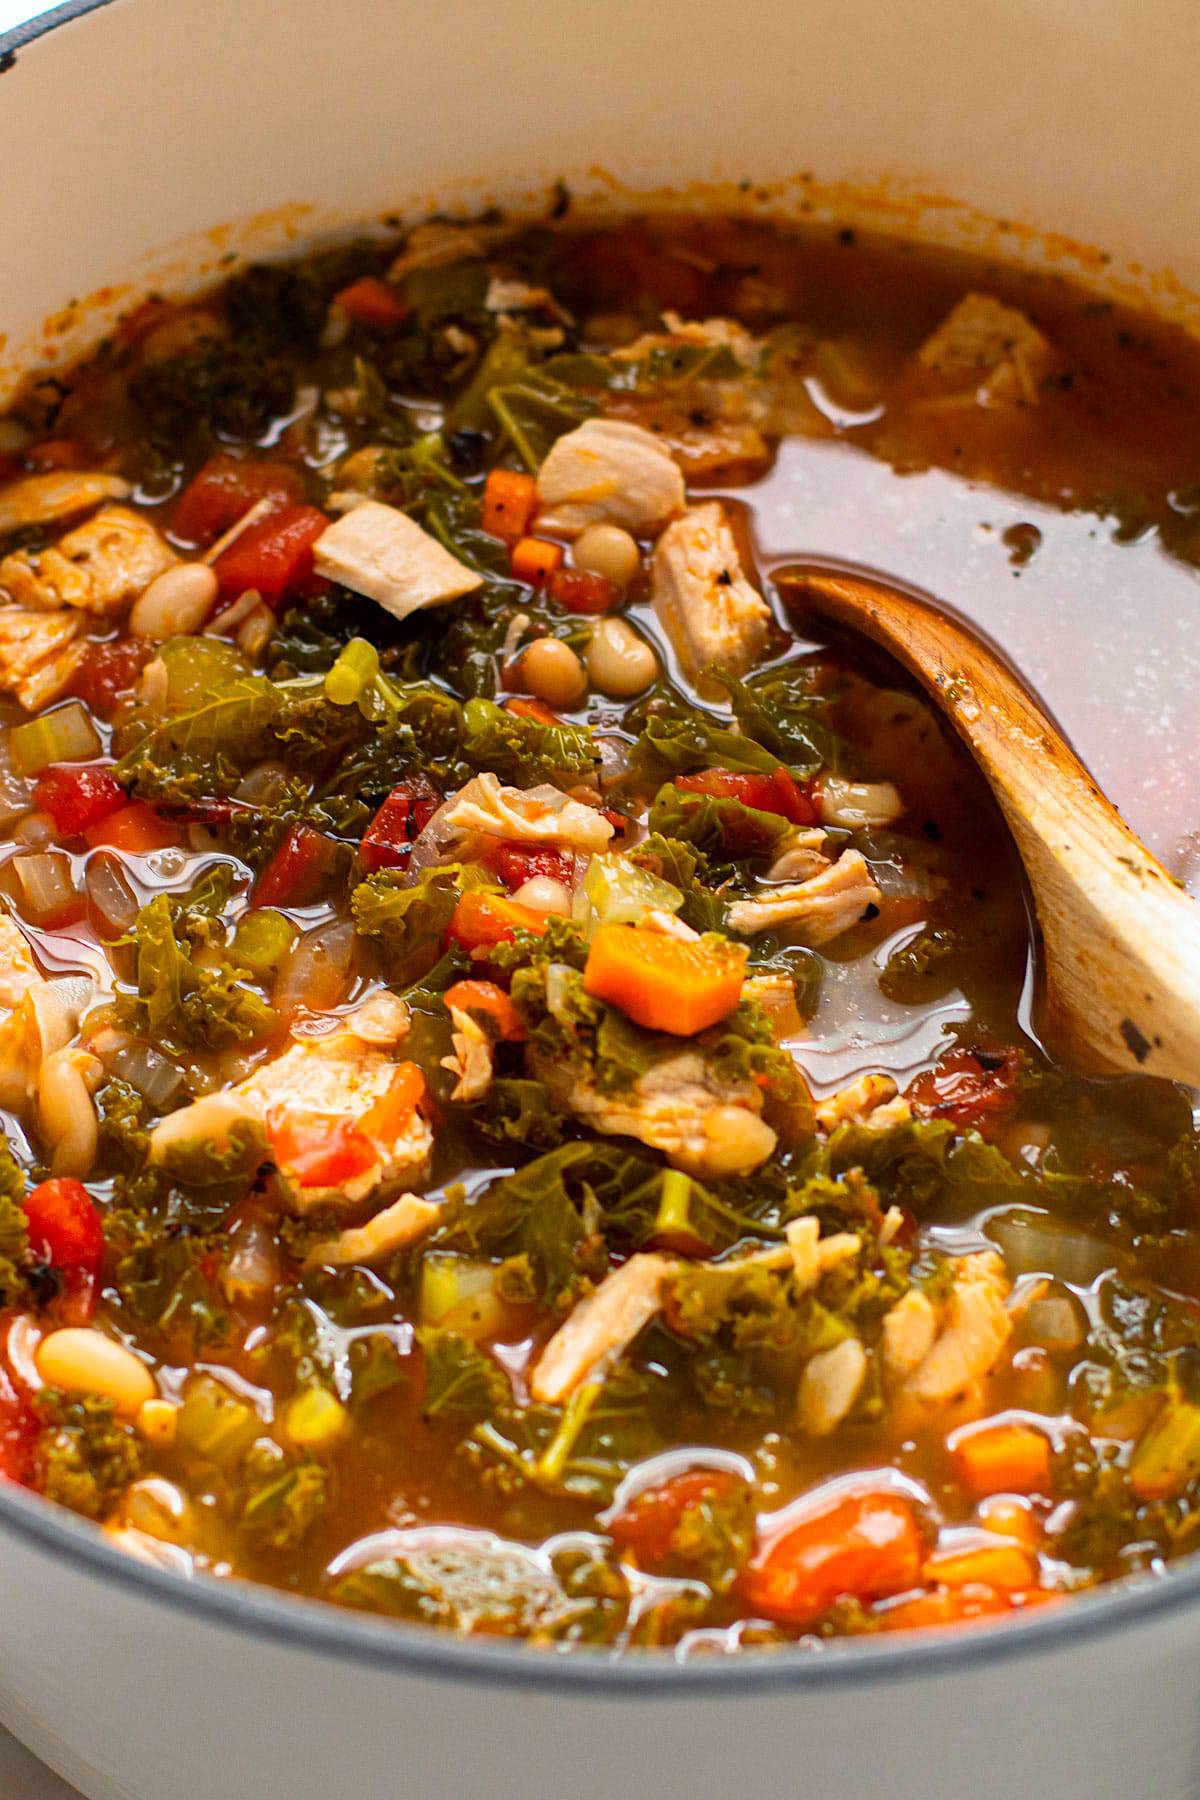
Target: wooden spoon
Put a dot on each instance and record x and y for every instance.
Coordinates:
(1121, 939)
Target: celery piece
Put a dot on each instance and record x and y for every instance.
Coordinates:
(214, 1423)
(262, 941)
(1167, 1454)
(352, 673)
(315, 1419)
(64, 735)
(621, 892)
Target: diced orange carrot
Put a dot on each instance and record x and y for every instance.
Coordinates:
(135, 829)
(944, 1606)
(1006, 1567)
(509, 503)
(535, 560)
(865, 1546)
(681, 985)
(372, 303)
(481, 920)
(523, 706)
(394, 1109)
(486, 997)
(1002, 1459)
(1007, 1517)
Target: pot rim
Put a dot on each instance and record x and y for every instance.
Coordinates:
(323, 1629)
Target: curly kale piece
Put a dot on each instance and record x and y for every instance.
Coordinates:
(779, 710)
(180, 1004)
(85, 1455)
(461, 1380)
(14, 1238)
(283, 1496)
(408, 921)
(221, 387)
(916, 971)
(524, 751)
(718, 826)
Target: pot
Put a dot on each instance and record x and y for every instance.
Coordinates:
(143, 145)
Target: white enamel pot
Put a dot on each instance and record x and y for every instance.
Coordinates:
(142, 142)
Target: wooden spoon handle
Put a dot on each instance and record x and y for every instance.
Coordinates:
(1121, 938)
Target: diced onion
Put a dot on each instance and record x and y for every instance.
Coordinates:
(157, 1079)
(264, 785)
(113, 902)
(48, 889)
(316, 976)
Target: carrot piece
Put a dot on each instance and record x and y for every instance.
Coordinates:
(481, 920)
(523, 707)
(509, 503)
(865, 1546)
(135, 829)
(534, 560)
(1002, 1459)
(393, 1111)
(372, 303)
(681, 985)
(1009, 1568)
(1005, 1517)
(486, 997)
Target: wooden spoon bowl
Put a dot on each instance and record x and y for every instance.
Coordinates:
(1120, 938)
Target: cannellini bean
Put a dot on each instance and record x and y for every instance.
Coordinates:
(541, 893)
(176, 603)
(66, 1112)
(610, 551)
(82, 1361)
(155, 1506)
(830, 1385)
(858, 803)
(619, 662)
(551, 671)
(738, 1140)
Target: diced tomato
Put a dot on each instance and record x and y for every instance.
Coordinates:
(580, 592)
(275, 556)
(652, 1517)
(298, 870)
(19, 1428)
(481, 920)
(486, 997)
(107, 673)
(77, 795)
(517, 863)
(402, 817)
(509, 502)
(863, 1546)
(64, 1225)
(320, 1150)
(57, 453)
(220, 493)
(974, 1090)
(523, 706)
(373, 303)
(535, 559)
(134, 829)
(776, 793)
(65, 1231)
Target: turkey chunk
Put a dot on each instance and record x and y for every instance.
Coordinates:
(871, 1100)
(379, 551)
(909, 1329)
(472, 1061)
(701, 596)
(830, 1386)
(18, 971)
(43, 499)
(99, 567)
(404, 1222)
(983, 337)
(973, 1330)
(611, 472)
(601, 1328)
(38, 654)
(540, 815)
(822, 907)
(339, 1080)
(707, 1127)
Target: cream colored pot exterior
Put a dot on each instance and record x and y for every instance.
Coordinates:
(131, 125)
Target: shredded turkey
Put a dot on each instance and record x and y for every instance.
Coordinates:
(870, 1100)
(39, 654)
(801, 857)
(981, 336)
(435, 246)
(830, 1386)
(608, 472)
(472, 1061)
(404, 1222)
(818, 909)
(601, 1328)
(776, 994)
(99, 567)
(540, 815)
(45, 499)
(973, 1329)
(811, 1255)
(701, 596)
(379, 551)
(909, 1329)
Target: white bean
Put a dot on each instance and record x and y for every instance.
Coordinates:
(176, 603)
(66, 1111)
(551, 671)
(737, 1141)
(619, 662)
(610, 551)
(82, 1361)
(541, 893)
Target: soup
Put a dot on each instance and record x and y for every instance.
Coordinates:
(522, 1107)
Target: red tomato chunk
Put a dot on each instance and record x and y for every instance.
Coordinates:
(77, 795)
(776, 793)
(275, 556)
(224, 490)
